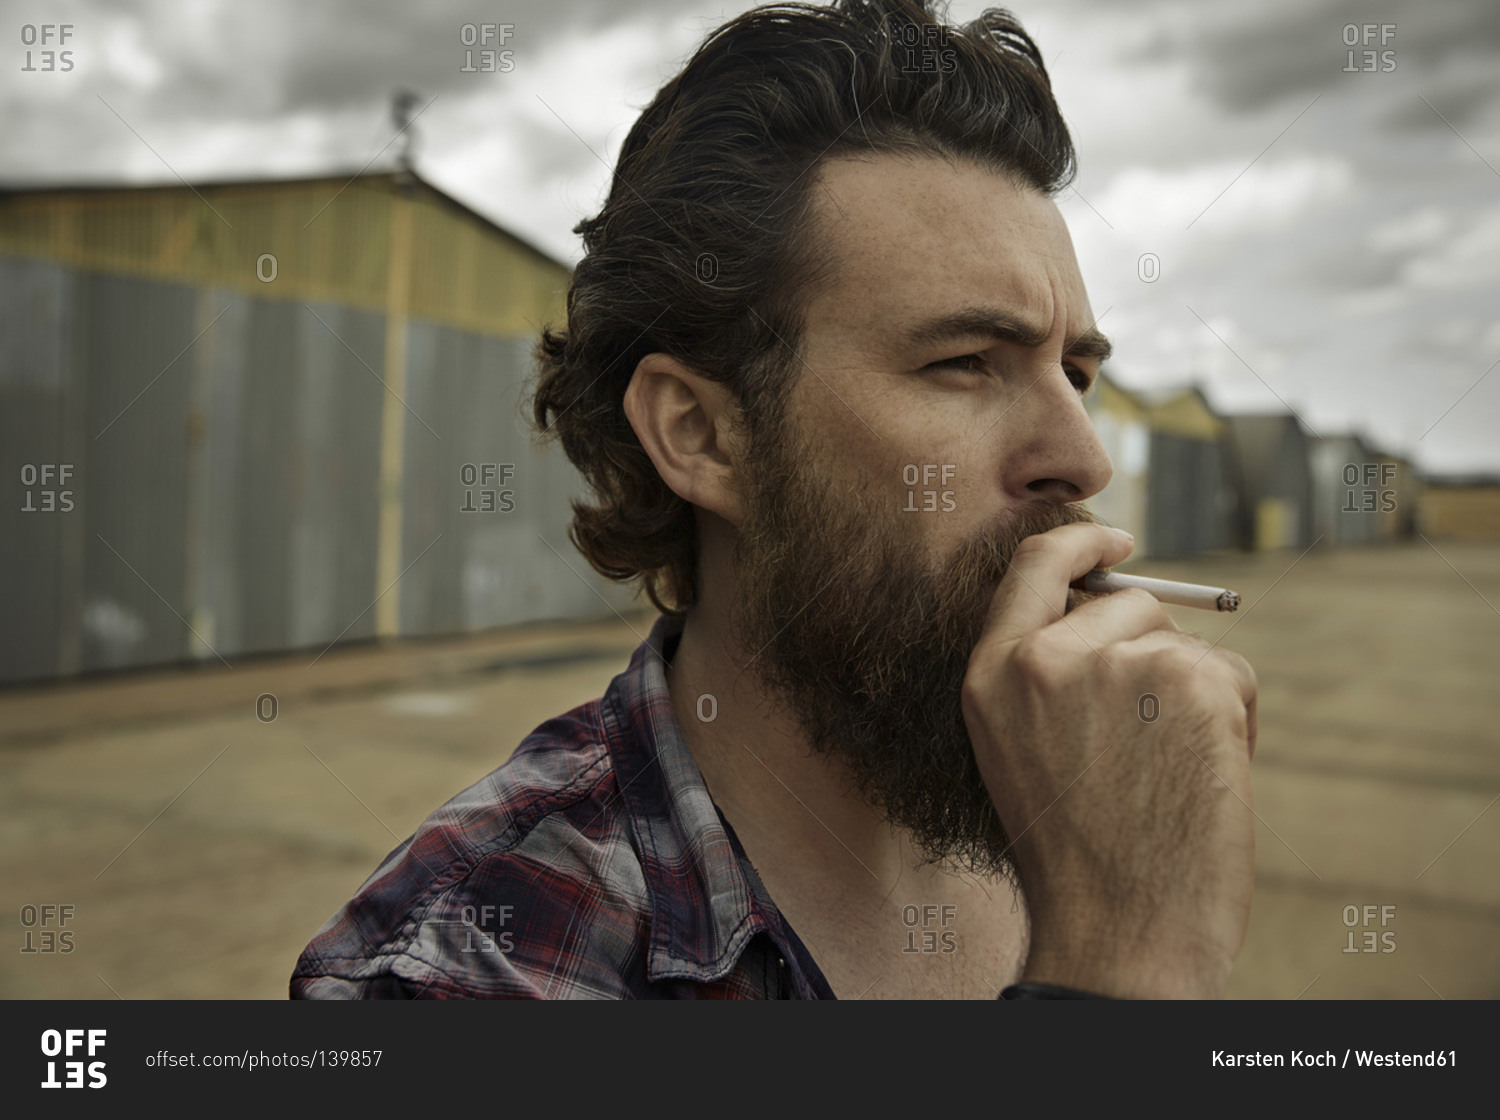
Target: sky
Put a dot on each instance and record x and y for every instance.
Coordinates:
(1263, 209)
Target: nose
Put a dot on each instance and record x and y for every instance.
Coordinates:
(1052, 452)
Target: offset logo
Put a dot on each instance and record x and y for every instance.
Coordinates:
(490, 477)
(67, 1044)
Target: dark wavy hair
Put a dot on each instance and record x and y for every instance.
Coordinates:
(704, 251)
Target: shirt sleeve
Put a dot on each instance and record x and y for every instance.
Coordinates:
(408, 978)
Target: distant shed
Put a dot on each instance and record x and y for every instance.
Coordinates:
(1190, 499)
(1273, 476)
(1464, 506)
(1124, 428)
(1348, 491)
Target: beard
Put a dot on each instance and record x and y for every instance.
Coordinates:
(864, 640)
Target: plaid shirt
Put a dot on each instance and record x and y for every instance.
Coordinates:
(591, 865)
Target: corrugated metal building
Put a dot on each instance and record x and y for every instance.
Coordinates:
(1125, 431)
(245, 417)
(1346, 488)
(1190, 504)
(1273, 476)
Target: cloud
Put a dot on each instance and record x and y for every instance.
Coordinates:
(1247, 57)
(1458, 97)
(1416, 230)
(1326, 247)
(1469, 260)
(1224, 196)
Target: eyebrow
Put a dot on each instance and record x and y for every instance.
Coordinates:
(988, 322)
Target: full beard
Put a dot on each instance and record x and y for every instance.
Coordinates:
(859, 638)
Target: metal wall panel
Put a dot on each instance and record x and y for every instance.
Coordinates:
(226, 455)
(335, 514)
(494, 566)
(291, 418)
(40, 428)
(265, 477)
(132, 334)
(1346, 479)
(1190, 506)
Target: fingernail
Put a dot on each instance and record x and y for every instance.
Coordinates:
(1128, 536)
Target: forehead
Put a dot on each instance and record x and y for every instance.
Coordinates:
(913, 237)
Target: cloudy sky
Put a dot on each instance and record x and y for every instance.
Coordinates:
(1327, 223)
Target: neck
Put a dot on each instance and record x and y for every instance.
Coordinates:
(790, 807)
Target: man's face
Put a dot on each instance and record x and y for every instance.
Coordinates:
(937, 421)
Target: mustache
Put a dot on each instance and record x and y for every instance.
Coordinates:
(999, 542)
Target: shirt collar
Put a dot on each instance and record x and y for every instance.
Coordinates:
(704, 906)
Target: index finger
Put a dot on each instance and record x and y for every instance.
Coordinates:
(1034, 590)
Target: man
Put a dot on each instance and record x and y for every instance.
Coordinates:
(823, 370)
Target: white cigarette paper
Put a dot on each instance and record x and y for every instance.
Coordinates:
(1167, 590)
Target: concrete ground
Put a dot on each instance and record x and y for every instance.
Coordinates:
(200, 848)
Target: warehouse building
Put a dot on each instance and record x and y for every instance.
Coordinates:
(1124, 428)
(1274, 479)
(1349, 494)
(257, 416)
(1191, 502)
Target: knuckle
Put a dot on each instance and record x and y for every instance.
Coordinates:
(1042, 663)
(1173, 661)
(1230, 669)
(1240, 665)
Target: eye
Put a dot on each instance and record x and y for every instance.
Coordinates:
(967, 363)
(975, 363)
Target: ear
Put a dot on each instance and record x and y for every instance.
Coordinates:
(685, 422)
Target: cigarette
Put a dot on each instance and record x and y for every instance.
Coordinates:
(1167, 590)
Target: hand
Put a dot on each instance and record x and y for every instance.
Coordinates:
(1134, 841)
